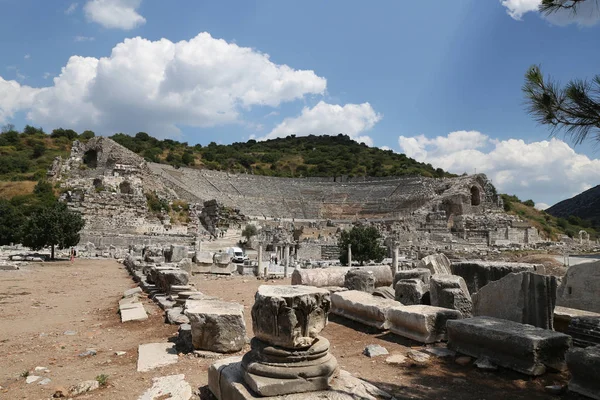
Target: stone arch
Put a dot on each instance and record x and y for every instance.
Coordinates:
(475, 196)
(90, 158)
(125, 188)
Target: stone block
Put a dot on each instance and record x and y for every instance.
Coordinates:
(167, 277)
(173, 387)
(155, 355)
(186, 265)
(360, 279)
(184, 342)
(436, 263)
(411, 292)
(423, 274)
(450, 291)
(363, 307)
(425, 324)
(478, 273)
(335, 276)
(524, 297)
(580, 286)
(290, 316)
(132, 292)
(176, 253)
(133, 312)
(216, 325)
(564, 315)
(585, 331)
(584, 366)
(523, 348)
(175, 316)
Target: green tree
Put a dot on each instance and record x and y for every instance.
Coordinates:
(87, 135)
(365, 245)
(573, 108)
(249, 231)
(11, 220)
(60, 132)
(53, 225)
(529, 203)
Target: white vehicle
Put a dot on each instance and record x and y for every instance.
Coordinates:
(237, 254)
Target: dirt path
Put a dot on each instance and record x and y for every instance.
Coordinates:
(40, 303)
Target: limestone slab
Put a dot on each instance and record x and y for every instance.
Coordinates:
(436, 263)
(216, 325)
(155, 355)
(290, 316)
(363, 307)
(523, 348)
(580, 287)
(425, 324)
(134, 312)
(172, 387)
(477, 273)
(132, 292)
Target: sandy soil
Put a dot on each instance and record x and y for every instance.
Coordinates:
(41, 302)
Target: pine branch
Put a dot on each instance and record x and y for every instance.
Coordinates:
(551, 6)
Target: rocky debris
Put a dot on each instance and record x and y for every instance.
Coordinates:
(172, 387)
(374, 350)
(440, 352)
(412, 292)
(88, 353)
(120, 353)
(531, 349)
(41, 369)
(216, 325)
(477, 273)
(70, 333)
(154, 355)
(524, 297)
(436, 263)
(363, 307)
(44, 381)
(425, 324)
(417, 356)
(84, 387)
(32, 378)
(485, 364)
(396, 359)
(584, 366)
(450, 291)
(360, 279)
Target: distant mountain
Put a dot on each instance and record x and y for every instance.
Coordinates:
(585, 205)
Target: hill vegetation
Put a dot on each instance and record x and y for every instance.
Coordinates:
(26, 156)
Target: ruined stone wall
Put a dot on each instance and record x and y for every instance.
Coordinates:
(309, 251)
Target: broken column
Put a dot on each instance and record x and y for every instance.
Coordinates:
(436, 263)
(525, 297)
(349, 254)
(395, 258)
(288, 355)
(412, 292)
(450, 291)
(286, 260)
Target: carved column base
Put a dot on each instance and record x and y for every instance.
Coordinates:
(273, 371)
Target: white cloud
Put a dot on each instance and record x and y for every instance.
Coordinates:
(331, 119)
(588, 12)
(114, 14)
(27, 56)
(47, 75)
(541, 206)
(13, 97)
(84, 38)
(71, 9)
(154, 86)
(546, 171)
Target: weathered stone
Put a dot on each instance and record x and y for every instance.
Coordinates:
(176, 253)
(584, 366)
(84, 387)
(524, 297)
(184, 342)
(374, 350)
(186, 265)
(417, 356)
(175, 316)
(132, 292)
(362, 307)
(564, 315)
(450, 291)
(523, 348)
(335, 276)
(485, 364)
(172, 387)
(436, 263)
(396, 359)
(32, 378)
(360, 279)
(440, 352)
(226, 382)
(412, 291)
(580, 287)
(290, 316)
(155, 355)
(386, 292)
(423, 274)
(477, 273)
(167, 277)
(133, 312)
(585, 331)
(425, 324)
(216, 325)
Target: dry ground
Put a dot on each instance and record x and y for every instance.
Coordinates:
(39, 303)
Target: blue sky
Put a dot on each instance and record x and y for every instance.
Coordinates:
(439, 80)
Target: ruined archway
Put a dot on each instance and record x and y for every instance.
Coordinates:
(90, 158)
(475, 196)
(125, 188)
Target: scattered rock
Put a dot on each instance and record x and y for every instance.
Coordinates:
(120, 353)
(396, 359)
(88, 353)
(418, 356)
(440, 352)
(555, 389)
(44, 381)
(41, 369)
(374, 350)
(485, 364)
(32, 378)
(206, 354)
(70, 333)
(463, 360)
(83, 387)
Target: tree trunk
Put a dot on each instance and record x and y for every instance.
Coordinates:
(52, 253)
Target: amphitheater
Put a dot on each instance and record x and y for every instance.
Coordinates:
(109, 185)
